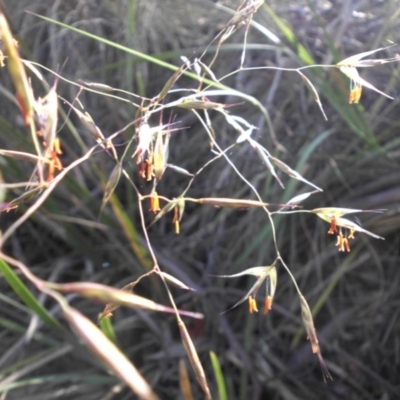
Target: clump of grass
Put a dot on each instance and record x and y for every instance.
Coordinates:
(187, 157)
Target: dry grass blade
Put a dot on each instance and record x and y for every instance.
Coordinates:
(106, 351)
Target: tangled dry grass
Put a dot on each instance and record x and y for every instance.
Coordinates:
(354, 157)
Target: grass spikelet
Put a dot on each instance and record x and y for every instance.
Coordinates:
(312, 336)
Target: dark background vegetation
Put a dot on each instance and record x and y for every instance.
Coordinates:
(354, 157)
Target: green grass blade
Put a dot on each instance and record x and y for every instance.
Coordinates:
(107, 327)
(140, 55)
(26, 295)
(219, 376)
(163, 64)
(131, 233)
(60, 378)
(302, 52)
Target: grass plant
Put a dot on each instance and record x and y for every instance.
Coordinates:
(150, 154)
